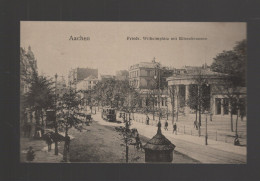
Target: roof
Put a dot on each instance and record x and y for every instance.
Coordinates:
(145, 65)
(159, 142)
(203, 72)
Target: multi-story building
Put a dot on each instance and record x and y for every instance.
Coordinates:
(78, 74)
(87, 83)
(142, 75)
(147, 78)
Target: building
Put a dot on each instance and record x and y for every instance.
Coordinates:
(142, 75)
(147, 78)
(78, 74)
(217, 93)
(87, 83)
(122, 75)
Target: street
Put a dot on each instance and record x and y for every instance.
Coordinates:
(101, 143)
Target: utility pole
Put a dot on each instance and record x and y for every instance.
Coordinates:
(56, 124)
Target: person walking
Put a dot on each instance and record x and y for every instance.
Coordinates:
(174, 128)
(147, 119)
(49, 141)
(195, 124)
(138, 142)
(166, 126)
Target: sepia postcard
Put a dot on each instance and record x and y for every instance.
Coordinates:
(133, 92)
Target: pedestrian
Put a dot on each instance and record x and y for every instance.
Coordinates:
(138, 142)
(195, 124)
(67, 143)
(49, 141)
(211, 116)
(175, 128)
(236, 141)
(147, 119)
(166, 126)
(30, 154)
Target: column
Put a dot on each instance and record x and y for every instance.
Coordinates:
(176, 98)
(222, 106)
(229, 108)
(187, 108)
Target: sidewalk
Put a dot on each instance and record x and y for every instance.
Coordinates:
(215, 152)
(42, 155)
(194, 147)
(41, 151)
(218, 129)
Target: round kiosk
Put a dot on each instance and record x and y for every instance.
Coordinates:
(159, 148)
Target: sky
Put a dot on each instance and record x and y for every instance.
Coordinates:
(109, 50)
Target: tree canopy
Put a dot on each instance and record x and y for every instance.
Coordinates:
(233, 63)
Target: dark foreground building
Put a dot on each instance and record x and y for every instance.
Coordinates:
(159, 148)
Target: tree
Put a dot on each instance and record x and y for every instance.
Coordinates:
(199, 98)
(193, 99)
(69, 114)
(127, 134)
(232, 63)
(40, 96)
(172, 98)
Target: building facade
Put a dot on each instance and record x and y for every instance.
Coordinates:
(217, 94)
(87, 83)
(149, 78)
(142, 75)
(78, 74)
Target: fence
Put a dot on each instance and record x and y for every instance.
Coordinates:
(189, 130)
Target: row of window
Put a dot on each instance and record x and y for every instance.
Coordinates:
(134, 74)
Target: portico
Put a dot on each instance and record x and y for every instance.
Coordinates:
(180, 87)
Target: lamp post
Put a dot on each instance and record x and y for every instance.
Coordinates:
(55, 124)
(206, 135)
(159, 84)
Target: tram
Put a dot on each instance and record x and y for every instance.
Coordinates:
(109, 114)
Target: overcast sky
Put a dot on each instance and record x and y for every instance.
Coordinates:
(109, 50)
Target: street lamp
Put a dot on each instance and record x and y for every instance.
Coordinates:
(159, 82)
(206, 135)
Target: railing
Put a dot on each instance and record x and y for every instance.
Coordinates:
(189, 130)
